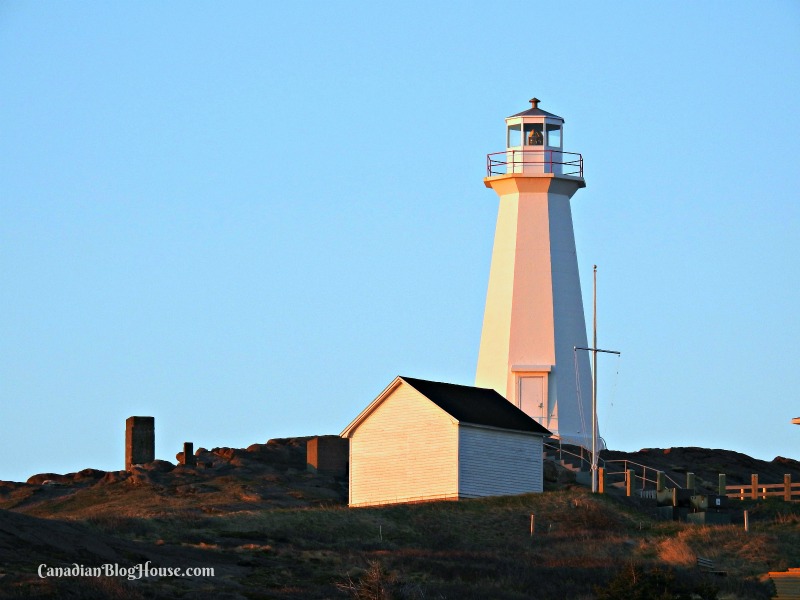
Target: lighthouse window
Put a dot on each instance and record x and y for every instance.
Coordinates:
(514, 135)
(554, 135)
(533, 134)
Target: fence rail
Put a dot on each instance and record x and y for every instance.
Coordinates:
(787, 490)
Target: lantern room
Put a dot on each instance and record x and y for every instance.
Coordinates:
(534, 141)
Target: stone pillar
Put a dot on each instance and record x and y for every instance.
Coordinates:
(723, 485)
(140, 441)
(660, 481)
(690, 482)
(188, 455)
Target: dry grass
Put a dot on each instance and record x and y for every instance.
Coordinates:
(676, 552)
(471, 549)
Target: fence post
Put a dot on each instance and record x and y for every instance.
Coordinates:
(659, 481)
(690, 485)
(723, 489)
(601, 480)
(787, 487)
(629, 482)
(754, 486)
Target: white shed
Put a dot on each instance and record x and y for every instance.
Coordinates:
(424, 440)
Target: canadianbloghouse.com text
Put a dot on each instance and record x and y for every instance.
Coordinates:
(114, 570)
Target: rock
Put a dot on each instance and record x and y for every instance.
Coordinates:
(160, 466)
(550, 471)
(226, 453)
(42, 477)
(87, 475)
(566, 476)
(114, 477)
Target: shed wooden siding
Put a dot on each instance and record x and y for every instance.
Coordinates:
(495, 463)
(405, 450)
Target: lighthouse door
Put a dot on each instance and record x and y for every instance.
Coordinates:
(532, 397)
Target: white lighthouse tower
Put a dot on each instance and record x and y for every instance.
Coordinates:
(534, 312)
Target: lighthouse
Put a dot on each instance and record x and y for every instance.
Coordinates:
(534, 319)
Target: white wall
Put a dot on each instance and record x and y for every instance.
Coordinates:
(406, 450)
(495, 463)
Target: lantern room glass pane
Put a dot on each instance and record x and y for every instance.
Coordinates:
(554, 135)
(533, 134)
(514, 136)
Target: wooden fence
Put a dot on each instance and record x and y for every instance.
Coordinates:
(787, 490)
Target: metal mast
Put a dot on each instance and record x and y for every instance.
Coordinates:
(594, 350)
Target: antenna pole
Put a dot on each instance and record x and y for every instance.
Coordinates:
(594, 384)
(594, 350)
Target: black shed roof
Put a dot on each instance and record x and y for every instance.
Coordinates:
(478, 406)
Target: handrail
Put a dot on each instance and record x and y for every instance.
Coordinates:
(561, 451)
(643, 476)
(528, 161)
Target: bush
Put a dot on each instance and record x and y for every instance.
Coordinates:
(634, 583)
(376, 583)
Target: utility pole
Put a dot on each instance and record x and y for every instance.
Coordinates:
(594, 350)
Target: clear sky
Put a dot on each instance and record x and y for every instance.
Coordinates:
(245, 218)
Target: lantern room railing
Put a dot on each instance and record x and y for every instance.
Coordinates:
(534, 161)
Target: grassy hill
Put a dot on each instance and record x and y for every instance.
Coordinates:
(271, 530)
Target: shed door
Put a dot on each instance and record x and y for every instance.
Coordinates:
(531, 397)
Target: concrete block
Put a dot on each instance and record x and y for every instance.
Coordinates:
(328, 454)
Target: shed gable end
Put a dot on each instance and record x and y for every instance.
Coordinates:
(405, 449)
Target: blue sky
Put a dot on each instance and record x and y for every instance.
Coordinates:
(246, 218)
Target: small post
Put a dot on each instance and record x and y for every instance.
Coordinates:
(188, 454)
(532, 523)
(690, 482)
(754, 486)
(746, 521)
(660, 479)
(601, 480)
(629, 482)
(723, 488)
(787, 487)
(380, 531)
